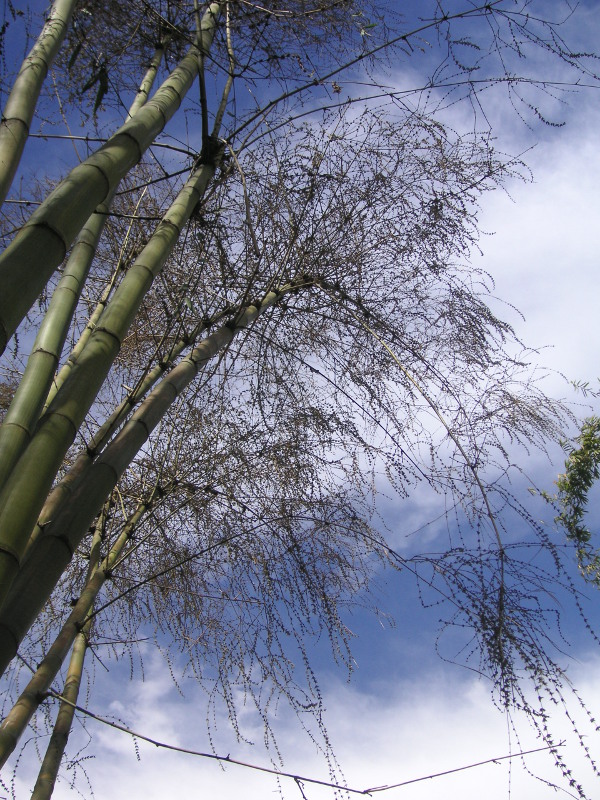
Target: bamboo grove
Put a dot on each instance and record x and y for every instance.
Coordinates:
(243, 307)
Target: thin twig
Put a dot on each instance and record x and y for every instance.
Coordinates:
(280, 773)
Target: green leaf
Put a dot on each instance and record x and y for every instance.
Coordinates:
(102, 87)
(74, 55)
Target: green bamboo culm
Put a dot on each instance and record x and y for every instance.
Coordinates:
(53, 227)
(62, 374)
(20, 106)
(46, 779)
(25, 491)
(44, 785)
(25, 409)
(16, 721)
(54, 549)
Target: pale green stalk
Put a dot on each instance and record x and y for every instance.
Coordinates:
(20, 106)
(25, 409)
(139, 101)
(66, 368)
(53, 227)
(25, 491)
(44, 785)
(18, 718)
(53, 551)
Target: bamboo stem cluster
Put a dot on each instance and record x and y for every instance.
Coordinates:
(31, 396)
(74, 199)
(55, 224)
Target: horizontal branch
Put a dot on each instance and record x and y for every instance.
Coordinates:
(292, 775)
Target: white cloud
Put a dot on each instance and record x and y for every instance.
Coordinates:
(545, 253)
(409, 729)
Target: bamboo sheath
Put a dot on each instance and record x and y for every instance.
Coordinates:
(21, 418)
(54, 226)
(24, 493)
(54, 549)
(21, 103)
(18, 718)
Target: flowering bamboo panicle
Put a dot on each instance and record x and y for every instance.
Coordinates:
(262, 328)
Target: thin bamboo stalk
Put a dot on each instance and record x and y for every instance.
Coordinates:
(61, 376)
(44, 785)
(90, 327)
(54, 549)
(20, 106)
(25, 409)
(18, 718)
(54, 225)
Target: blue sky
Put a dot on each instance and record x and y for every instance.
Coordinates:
(406, 713)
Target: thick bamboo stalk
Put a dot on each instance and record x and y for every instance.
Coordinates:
(18, 718)
(24, 493)
(25, 409)
(53, 227)
(21, 103)
(54, 549)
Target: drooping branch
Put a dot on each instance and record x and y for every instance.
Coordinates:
(54, 549)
